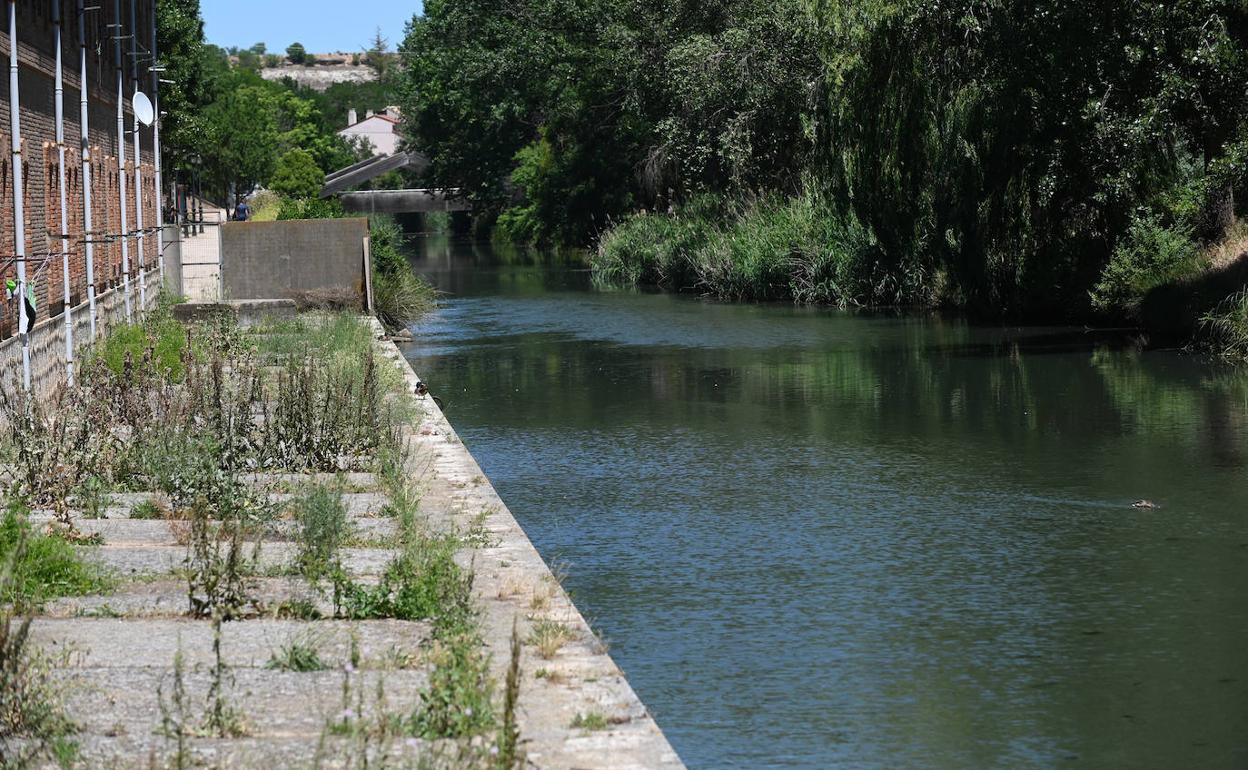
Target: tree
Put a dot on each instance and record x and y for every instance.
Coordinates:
(259, 49)
(180, 31)
(296, 53)
(243, 134)
(297, 175)
(378, 54)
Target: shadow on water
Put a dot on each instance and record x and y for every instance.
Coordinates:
(819, 539)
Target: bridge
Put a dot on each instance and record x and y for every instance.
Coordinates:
(389, 201)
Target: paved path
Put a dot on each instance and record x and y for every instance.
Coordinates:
(201, 259)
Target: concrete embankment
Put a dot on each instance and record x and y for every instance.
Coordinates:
(134, 705)
(514, 584)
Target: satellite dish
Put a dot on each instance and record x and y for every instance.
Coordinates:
(143, 110)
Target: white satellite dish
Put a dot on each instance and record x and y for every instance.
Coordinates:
(143, 110)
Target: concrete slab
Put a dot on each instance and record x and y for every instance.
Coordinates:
(98, 643)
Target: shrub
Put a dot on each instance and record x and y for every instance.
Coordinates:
(385, 243)
(160, 336)
(1150, 255)
(310, 208)
(401, 298)
(1225, 328)
(323, 527)
(651, 249)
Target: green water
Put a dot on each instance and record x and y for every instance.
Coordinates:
(824, 540)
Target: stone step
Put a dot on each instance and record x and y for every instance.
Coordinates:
(118, 712)
(157, 532)
(168, 599)
(121, 505)
(144, 561)
(108, 643)
(266, 753)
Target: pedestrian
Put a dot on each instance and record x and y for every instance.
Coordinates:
(10, 291)
(242, 212)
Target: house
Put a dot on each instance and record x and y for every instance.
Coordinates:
(381, 130)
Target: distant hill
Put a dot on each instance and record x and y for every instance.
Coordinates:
(325, 70)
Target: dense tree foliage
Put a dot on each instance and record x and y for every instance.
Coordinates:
(297, 175)
(180, 30)
(1052, 157)
(570, 113)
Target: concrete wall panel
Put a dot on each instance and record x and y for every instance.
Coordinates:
(276, 260)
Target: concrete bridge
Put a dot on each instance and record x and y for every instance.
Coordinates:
(389, 201)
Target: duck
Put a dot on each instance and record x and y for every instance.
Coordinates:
(421, 389)
(1143, 505)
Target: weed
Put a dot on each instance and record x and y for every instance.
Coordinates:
(458, 700)
(422, 582)
(549, 636)
(32, 720)
(148, 509)
(325, 419)
(175, 714)
(223, 720)
(323, 527)
(395, 658)
(93, 497)
(42, 567)
(509, 732)
(590, 721)
(297, 609)
(299, 654)
(551, 676)
(102, 611)
(216, 571)
(478, 536)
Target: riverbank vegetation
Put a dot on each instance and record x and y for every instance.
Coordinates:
(1045, 160)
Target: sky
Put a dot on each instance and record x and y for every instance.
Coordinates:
(321, 25)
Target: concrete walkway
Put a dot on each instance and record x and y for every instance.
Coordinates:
(201, 258)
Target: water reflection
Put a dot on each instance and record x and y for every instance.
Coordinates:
(825, 540)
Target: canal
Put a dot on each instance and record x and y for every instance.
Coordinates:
(815, 539)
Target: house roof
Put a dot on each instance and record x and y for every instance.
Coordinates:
(372, 117)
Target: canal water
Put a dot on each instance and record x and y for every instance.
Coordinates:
(815, 539)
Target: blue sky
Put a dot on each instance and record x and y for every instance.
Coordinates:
(321, 25)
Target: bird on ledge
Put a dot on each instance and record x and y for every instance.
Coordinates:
(421, 389)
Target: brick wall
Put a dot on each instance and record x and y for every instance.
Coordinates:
(36, 55)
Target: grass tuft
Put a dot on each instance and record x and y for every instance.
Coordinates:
(549, 636)
(298, 654)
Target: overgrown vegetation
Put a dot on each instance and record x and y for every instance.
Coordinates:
(1225, 328)
(1052, 160)
(297, 396)
(41, 567)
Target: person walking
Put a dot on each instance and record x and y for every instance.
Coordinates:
(242, 212)
(10, 291)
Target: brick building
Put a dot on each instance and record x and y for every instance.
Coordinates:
(36, 50)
